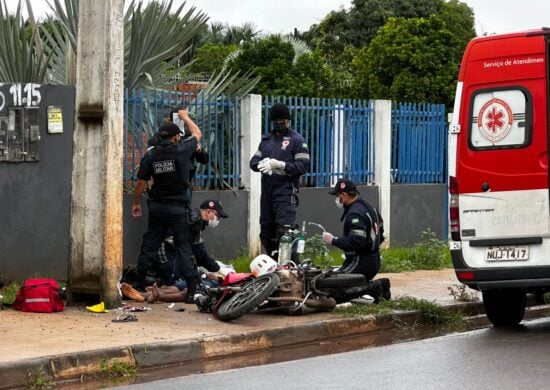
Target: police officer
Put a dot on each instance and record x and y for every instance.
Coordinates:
(169, 207)
(207, 215)
(200, 155)
(282, 158)
(363, 234)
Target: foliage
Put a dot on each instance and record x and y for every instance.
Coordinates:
(268, 58)
(431, 313)
(9, 292)
(359, 25)
(429, 253)
(39, 380)
(308, 77)
(116, 368)
(210, 58)
(21, 56)
(462, 293)
(317, 252)
(407, 61)
(241, 263)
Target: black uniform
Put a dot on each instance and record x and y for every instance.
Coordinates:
(169, 207)
(201, 157)
(165, 266)
(279, 198)
(363, 233)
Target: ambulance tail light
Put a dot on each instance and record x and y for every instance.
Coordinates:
(454, 211)
(465, 276)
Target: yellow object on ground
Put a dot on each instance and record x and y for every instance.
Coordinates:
(99, 308)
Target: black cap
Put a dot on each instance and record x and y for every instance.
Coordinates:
(343, 185)
(216, 205)
(168, 130)
(279, 111)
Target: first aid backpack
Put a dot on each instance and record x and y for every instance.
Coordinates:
(39, 296)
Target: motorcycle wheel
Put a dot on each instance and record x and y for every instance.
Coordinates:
(252, 294)
(340, 281)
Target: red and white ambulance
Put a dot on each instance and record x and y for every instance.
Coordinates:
(499, 137)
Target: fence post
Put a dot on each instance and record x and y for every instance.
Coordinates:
(382, 174)
(251, 134)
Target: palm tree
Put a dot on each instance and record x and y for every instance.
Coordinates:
(21, 56)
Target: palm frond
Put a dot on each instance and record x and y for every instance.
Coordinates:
(21, 57)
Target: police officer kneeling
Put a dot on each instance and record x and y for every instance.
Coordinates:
(363, 234)
(169, 208)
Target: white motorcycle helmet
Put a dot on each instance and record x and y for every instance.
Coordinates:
(262, 264)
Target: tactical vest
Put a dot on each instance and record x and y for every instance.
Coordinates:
(170, 174)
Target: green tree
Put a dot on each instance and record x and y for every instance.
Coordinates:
(270, 58)
(308, 77)
(408, 60)
(210, 58)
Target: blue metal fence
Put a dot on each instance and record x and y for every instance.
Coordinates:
(218, 118)
(339, 133)
(419, 143)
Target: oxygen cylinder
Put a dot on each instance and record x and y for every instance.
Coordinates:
(285, 248)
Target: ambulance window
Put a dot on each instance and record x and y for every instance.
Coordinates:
(500, 119)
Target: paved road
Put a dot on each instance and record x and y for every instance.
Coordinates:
(488, 358)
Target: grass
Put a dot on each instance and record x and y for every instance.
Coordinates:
(116, 368)
(430, 312)
(9, 292)
(430, 253)
(39, 380)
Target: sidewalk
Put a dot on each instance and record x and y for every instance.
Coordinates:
(72, 342)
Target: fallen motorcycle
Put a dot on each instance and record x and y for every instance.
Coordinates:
(239, 294)
(305, 288)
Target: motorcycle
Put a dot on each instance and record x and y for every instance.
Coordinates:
(305, 288)
(283, 285)
(238, 294)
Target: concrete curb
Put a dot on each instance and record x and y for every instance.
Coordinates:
(70, 366)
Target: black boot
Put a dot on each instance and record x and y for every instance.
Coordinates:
(191, 289)
(382, 290)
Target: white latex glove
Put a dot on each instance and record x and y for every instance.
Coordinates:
(265, 166)
(277, 164)
(327, 238)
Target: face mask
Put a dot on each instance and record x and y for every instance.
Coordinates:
(213, 222)
(338, 203)
(280, 127)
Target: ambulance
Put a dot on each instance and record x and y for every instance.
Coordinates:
(499, 214)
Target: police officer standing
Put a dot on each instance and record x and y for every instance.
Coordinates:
(363, 234)
(282, 157)
(200, 155)
(169, 207)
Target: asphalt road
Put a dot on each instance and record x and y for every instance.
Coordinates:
(489, 358)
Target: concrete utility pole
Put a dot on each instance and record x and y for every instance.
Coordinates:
(95, 257)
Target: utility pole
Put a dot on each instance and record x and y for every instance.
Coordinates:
(95, 246)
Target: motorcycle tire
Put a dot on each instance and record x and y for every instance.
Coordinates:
(339, 281)
(252, 294)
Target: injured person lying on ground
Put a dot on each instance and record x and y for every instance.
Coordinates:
(176, 292)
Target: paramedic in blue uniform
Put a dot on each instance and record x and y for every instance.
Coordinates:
(282, 157)
(169, 206)
(363, 233)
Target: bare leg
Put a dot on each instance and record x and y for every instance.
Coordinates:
(178, 296)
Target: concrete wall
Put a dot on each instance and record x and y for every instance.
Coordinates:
(226, 241)
(35, 204)
(35, 197)
(415, 208)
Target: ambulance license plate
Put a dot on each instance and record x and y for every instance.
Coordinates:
(507, 253)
